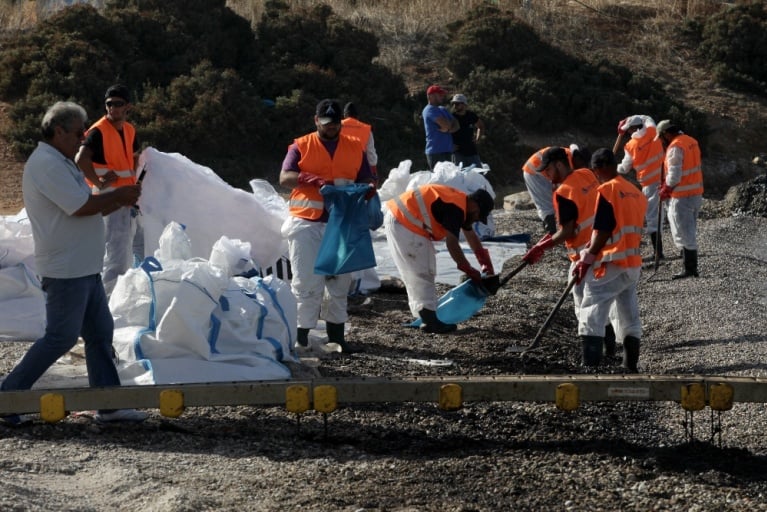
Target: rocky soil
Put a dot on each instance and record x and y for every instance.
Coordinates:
(486, 456)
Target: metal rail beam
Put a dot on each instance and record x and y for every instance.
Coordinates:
(525, 388)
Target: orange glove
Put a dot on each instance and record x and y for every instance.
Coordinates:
(536, 252)
(582, 267)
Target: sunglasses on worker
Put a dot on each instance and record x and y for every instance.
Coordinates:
(116, 104)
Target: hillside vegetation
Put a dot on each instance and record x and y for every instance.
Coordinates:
(230, 84)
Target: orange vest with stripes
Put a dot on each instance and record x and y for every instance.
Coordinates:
(691, 183)
(306, 201)
(535, 160)
(647, 155)
(629, 207)
(118, 153)
(356, 128)
(580, 187)
(412, 209)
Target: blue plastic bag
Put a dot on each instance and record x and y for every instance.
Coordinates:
(459, 304)
(347, 245)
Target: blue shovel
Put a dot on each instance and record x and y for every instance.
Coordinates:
(463, 301)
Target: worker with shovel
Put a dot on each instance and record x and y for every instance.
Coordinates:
(614, 253)
(429, 213)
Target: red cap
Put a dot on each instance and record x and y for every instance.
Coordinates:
(435, 89)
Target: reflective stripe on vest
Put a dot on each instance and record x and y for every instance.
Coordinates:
(691, 183)
(306, 201)
(647, 156)
(408, 206)
(629, 206)
(580, 187)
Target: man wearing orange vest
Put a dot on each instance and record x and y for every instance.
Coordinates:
(352, 126)
(574, 201)
(325, 156)
(644, 153)
(107, 159)
(683, 188)
(429, 213)
(610, 289)
(540, 188)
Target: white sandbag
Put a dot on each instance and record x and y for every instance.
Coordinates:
(232, 256)
(22, 304)
(177, 189)
(174, 243)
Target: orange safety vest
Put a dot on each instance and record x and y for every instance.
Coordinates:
(629, 207)
(118, 153)
(691, 183)
(306, 201)
(535, 160)
(412, 209)
(579, 187)
(355, 128)
(647, 155)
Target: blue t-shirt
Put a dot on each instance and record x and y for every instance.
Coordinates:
(436, 141)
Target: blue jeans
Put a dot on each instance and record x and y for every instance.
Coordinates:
(73, 307)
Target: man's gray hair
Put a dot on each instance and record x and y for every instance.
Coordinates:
(61, 113)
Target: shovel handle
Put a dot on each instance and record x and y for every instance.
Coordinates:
(549, 318)
(512, 274)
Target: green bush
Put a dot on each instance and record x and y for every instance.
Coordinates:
(735, 40)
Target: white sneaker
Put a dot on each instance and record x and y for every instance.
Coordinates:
(121, 415)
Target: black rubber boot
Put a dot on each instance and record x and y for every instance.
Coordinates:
(433, 324)
(657, 244)
(592, 350)
(631, 354)
(609, 341)
(336, 335)
(690, 265)
(550, 224)
(302, 338)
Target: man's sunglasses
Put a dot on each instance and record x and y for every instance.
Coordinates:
(116, 104)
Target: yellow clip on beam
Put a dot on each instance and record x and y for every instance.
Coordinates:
(325, 398)
(52, 407)
(721, 396)
(693, 396)
(171, 403)
(568, 397)
(297, 399)
(450, 397)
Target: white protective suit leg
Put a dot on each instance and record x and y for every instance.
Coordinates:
(616, 290)
(540, 190)
(119, 229)
(683, 220)
(653, 200)
(416, 261)
(304, 239)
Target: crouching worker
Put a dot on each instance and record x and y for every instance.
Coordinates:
(68, 232)
(432, 213)
(617, 260)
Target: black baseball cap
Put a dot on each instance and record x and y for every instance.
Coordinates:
(328, 111)
(485, 201)
(552, 154)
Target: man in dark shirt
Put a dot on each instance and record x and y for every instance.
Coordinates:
(466, 138)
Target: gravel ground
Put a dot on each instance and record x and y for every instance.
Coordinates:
(486, 456)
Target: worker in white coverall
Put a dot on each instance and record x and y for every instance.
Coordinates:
(683, 188)
(540, 188)
(644, 153)
(325, 156)
(610, 288)
(431, 213)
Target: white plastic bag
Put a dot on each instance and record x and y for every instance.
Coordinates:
(232, 256)
(174, 243)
